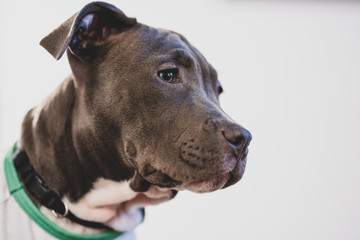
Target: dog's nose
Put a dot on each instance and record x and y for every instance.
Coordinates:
(239, 138)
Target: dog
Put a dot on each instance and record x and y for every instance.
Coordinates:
(137, 121)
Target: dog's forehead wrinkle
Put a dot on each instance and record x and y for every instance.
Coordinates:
(202, 69)
(180, 56)
(163, 41)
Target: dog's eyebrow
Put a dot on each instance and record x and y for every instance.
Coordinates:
(182, 57)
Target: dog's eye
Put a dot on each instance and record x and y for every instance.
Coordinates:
(219, 88)
(169, 75)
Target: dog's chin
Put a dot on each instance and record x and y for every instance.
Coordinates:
(216, 182)
(208, 185)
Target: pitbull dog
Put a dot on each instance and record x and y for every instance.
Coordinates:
(136, 121)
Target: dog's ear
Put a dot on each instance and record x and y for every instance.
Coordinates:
(86, 29)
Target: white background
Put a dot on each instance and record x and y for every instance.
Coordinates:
(291, 74)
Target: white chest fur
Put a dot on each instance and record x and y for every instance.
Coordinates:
(112, 203)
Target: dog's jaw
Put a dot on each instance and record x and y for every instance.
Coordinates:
(216, 182)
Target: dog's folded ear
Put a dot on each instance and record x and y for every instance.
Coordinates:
(86, 29)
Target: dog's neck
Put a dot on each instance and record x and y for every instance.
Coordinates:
(64, 149)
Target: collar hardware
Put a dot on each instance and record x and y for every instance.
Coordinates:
(58, 215)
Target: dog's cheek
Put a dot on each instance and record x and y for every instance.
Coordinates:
(131, 153)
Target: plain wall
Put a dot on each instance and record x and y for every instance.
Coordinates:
(291, 75)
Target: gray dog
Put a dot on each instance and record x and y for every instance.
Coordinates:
(136, 121)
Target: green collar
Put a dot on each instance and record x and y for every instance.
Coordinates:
(19, 194)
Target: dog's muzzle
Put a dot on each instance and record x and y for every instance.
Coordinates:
(205, 164)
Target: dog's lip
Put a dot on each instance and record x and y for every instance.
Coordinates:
(239, 153)
(208, 185)
(237, 173)
(209, 180)
(243, 156)
(220, 180)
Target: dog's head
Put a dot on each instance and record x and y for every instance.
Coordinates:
(157, 96)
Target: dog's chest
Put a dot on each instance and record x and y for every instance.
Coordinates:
(116, 204)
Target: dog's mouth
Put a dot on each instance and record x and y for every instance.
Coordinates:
(210, 176)
(208, 184)
(216, 182)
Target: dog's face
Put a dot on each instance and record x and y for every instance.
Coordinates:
(172, 129)
(160, 98)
